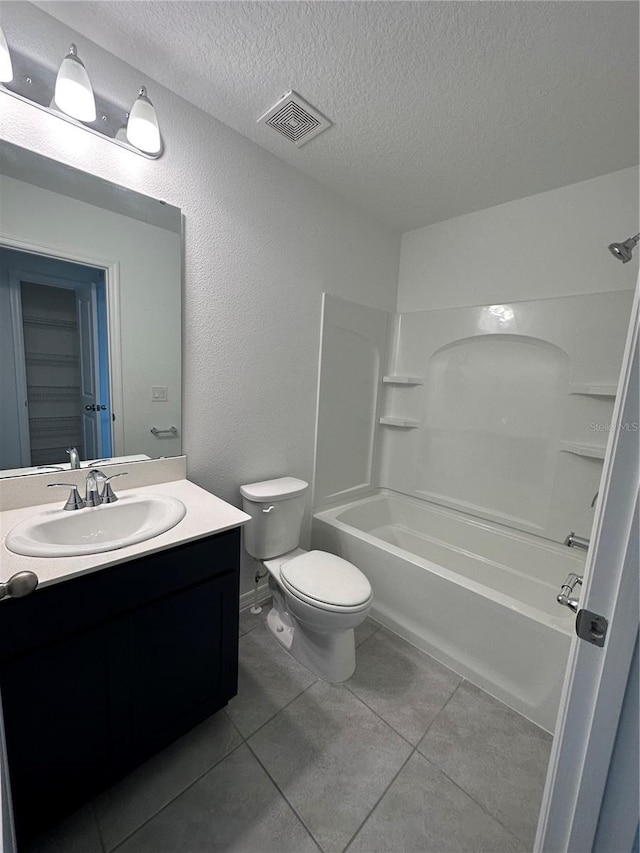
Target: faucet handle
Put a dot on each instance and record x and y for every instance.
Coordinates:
(108, 495)
(74, 501)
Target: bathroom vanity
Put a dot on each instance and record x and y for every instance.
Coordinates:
(106, 665)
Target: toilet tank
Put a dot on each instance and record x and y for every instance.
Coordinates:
(276, 508)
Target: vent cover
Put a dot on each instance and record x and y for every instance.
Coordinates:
(294, 118)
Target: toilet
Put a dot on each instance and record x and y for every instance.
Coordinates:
(318, 598)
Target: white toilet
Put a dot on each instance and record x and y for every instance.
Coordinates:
(318, 598)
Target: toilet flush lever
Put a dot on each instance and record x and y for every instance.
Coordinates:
(267, 508)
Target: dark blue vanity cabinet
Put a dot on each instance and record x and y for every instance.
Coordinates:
(100, 672)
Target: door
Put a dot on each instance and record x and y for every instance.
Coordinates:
(90, 397)
(54, 346)
(597, 677)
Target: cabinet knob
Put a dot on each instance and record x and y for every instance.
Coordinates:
(19, 585)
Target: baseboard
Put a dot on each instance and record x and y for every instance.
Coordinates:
(247, 598)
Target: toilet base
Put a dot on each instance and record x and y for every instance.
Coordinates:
(329, 655)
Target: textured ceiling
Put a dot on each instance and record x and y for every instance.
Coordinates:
(438, 108)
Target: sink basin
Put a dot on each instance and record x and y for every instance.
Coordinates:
(60, 533)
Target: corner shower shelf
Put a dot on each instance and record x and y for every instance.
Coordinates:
(589, 390)
(592, 451)
(404, 423)
(402, 380)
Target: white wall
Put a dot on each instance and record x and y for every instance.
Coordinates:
(508, 423)
(149, 269)
(262, 242)
(551, 244)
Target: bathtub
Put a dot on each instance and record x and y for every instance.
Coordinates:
(477, 596)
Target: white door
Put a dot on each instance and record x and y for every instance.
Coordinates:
(90, 405)
(597, 676)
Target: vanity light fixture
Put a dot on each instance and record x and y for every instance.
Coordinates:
(74, 92)
(69, 95)
(142, 128)
(6, 68)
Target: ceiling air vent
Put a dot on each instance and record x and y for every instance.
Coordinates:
(294, 118)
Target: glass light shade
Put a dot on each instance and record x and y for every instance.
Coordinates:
(74, 93)
(6, 68)
(142, 128)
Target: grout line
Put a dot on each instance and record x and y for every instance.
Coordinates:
(462, 681)
(173, 799)
(273, 716)
(284, 797)
(391, 726)
(377, 802)
(376, 714)
(477, 802)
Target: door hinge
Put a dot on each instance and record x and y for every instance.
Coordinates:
(591, 627)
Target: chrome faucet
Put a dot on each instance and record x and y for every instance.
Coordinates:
(565, 597)
(93, 495)
(74, 457)
(573, 541)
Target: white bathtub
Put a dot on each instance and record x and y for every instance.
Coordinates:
(476, 596)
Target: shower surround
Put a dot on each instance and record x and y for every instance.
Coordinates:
(455, 450)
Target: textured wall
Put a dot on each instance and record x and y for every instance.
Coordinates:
(550, 244)
(262, 242)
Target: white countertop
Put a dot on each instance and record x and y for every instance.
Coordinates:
(206, 515)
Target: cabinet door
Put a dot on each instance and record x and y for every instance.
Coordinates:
(183, 661)
(59, 738)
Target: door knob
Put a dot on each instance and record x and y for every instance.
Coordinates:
(90, 408)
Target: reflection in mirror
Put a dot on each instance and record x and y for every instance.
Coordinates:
(90, 295)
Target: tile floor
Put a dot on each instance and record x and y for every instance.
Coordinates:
(406, 757)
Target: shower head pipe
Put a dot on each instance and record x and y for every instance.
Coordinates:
(623, 251)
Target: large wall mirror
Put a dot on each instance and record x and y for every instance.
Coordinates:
(90, 318)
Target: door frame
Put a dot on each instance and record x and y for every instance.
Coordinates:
(111, 271)
(596, 678)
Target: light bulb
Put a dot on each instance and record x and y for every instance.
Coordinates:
(142, 128)
(6, 68)
(74, 93)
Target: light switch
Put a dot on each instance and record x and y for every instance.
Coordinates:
(158, 393)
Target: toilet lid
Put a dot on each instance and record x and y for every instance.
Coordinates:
(326, 579)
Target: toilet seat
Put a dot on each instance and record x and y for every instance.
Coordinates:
(327, 582)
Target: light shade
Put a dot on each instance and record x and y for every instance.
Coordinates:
(74, 93)
(142, 128)
(6, 68)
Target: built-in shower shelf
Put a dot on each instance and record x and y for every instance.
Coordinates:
(592, 451)
(402, 380)
(589, 390)
(403, 423)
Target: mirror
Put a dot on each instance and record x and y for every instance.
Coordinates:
(90, 318)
